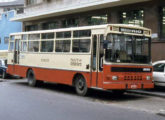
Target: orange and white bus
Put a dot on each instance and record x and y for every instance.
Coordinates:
(110, 57)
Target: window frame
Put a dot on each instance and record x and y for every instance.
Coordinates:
(161, 23)
(121, 20)
(63, 45)
(90, 43)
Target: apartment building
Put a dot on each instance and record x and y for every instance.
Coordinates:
(51, 14)
(17, 5)
(7, 11)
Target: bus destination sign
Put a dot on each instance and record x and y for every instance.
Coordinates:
(129, 30)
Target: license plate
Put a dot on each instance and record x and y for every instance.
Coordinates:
(133, 86)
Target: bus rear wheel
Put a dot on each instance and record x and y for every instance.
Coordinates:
(81, 86)
(31, 79)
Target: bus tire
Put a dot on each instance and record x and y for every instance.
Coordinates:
(81, 86)
(31, 78)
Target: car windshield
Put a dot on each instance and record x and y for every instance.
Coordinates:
(128, 49)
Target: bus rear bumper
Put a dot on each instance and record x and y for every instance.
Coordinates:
(127, 86)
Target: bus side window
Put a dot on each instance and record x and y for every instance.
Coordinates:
(33, 46)
(81, 45)
(101, 52)
(63, 45)
(11, 47)
(47, 46)
(24, 46)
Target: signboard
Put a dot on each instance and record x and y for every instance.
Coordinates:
(129, 30)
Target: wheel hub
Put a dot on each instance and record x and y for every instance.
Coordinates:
(81, 85)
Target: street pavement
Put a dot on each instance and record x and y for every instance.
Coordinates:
(158, 92)
(18, 101)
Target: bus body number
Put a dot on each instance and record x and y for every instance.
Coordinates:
(75, 62)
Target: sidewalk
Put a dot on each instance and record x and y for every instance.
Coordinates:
(148, 92)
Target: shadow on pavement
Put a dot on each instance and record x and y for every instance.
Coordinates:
(94, 95)
(157, 89)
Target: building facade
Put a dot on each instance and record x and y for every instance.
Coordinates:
(51, 14)
(7, 11)
(16, 5)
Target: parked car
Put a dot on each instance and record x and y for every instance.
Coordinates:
(3, 67)
(159, 73)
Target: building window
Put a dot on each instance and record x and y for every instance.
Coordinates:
(31, 28)
(6, 40)
(97, 20)
(162, 24)
(50, 25)
(6, 9)
(31, 2)
(70, 23)
(20, 10)
(135, 17)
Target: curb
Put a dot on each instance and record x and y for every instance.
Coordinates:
(146, 93)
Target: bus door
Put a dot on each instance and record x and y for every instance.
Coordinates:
(16, 51)
(97, 61)
(16, 54)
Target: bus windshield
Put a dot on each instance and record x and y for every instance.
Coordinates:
(123, 48)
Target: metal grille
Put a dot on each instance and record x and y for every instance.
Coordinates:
(133, 78)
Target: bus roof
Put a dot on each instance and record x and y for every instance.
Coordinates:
(81, 28)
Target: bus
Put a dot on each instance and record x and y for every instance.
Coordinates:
(112, 57)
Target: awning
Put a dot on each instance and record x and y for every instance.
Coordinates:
(88, 6)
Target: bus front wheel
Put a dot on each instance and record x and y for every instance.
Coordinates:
(81, 86)
(31, 78)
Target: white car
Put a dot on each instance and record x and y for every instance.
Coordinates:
(159, 73)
